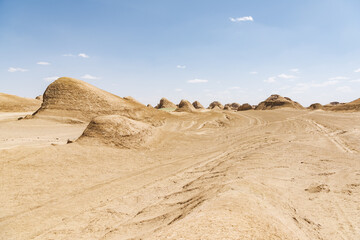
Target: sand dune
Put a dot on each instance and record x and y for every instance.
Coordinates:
(12, 103)
(133, 172)
(72, 98)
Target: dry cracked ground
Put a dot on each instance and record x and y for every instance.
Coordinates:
(279, 174)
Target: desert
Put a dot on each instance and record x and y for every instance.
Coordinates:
(91, 165)
(181, 120)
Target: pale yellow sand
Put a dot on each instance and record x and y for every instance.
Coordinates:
(281, 174)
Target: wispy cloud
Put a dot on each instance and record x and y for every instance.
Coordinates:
(89, 77)
(196, 80)
(12, 69)
(253, 72)
(181, 66)
(357, 70)
(43, 63)
(178, 90)
(83, 55)
(270, 80)
(355, 80)
(285, 76)
(242, 19)
(295, 70)
(50, 79)
(338, 78)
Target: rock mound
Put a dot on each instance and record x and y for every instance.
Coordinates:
(351, 106)
(185, 106)
(115, 130)
(12, 103)
(197, 105)
(227, 107)
(215, 104)
(164, 103)
(40, 98)
(232, 106)
(315, 106)
(276, 101)
(245, 107)
(69, 97)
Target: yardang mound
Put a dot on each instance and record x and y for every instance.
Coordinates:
(315, 106)
(351, 106)
(69, 97)
(197, 105)
(164, 103)
(215, 104)
(115, 130)
(185, 106)
(245, 107)
(276, 101)
(12, 103)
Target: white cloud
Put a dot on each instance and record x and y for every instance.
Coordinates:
(355, 80)
(196, 80)
(68, 55)
(181, 66)
(50, 79)
(357, 70)
(253, 72)
(242, 19)
(43, 63)
(295, 70)
(83, 55)
(89, 77)
(338, 78)
(178, 89)
(285, 76)
(344, 89)
(12, 69)
(270, 80)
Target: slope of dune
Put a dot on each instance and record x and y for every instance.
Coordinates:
(276, 101)
(12, 103)
(69, 97)
(115, 130)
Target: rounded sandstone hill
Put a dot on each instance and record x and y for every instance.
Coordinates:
(351, 106)
(12, 103)
(69, 97)
(115, 130)
(198, 105)
(276, 101)
(245, 107)
(232, 106)
(315, 106)
(215, 104)
(185, 106)
(164, 103)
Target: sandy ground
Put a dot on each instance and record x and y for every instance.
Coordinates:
(281, 174)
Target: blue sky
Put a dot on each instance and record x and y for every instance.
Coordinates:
(206, 50)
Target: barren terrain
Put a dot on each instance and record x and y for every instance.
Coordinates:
(277, 174)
